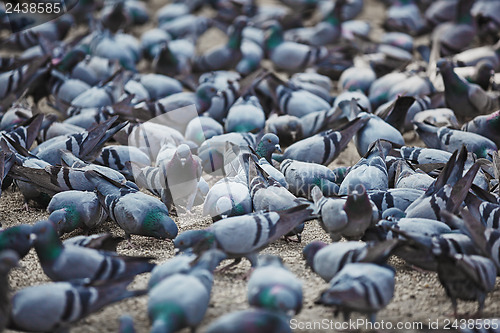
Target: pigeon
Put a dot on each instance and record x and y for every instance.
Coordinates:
(8, 260)
(484, 238)
(439, 117)
(447, 192)
(174, 57)
(328, 31)
(53, 307)
(268, 194)
(227, 56)
(419, 155)
(345, 217)
(79, 210)
(70, 263)
(231, 234)
(327, 260)
(85, 145)
(467, 100)
(485, 126)
(466, 277)
(406, 17)
(179, 301)
(135, 212)
(294, 100)
(17, 238)
(106, 242)
(245, 115)
(116, 157)
(290, 56)
(174, 180)
(273, 287)
(184, 263)
(407, 177)
(454, 37)
(202, 128)
(212, 151)
(379, 90)
(370, 171)
(126, 324)
(450, 140)
(303, 176)
(324, 147)
(375, 129)
(360, 287)
(251, 320)
(227, 198)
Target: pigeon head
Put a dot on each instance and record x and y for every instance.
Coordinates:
(158, 224)
(8, 260)
(17, 238)
(310, 251)
(267, 145)
(65, 220)
(279, 298)
(274, 35)
(196, 239)
(204, 94)
(48, 246)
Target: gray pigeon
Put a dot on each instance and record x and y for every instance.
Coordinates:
(8, 260)
(76, 209)
(53, 307)
(227, 198)
(273, 287)
(303, 176)
(370, 171)
(466, 277)
(231, 235)
(245, 115)
(185, 263)
(126, 324)
(324, 147)
(360, 287)
(375, 129)
(17, 238)
(116, 157)
(486, 126)
(70, 263)
(345, 217)
(135, 212)
(447, 192)
(174, 180)
(450, 140)
(180, 301)
(85, 145)
(250, 321)
(400, 198)
(466, 99)
(327, 260)
(106, 242)
(407, 177)
(267, 194)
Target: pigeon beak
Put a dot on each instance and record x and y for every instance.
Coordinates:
(294, 135)
(177, 251)
(219, 93)
(32, 237)
(278, 148)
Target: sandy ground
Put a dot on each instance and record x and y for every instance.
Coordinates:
(419, 297)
